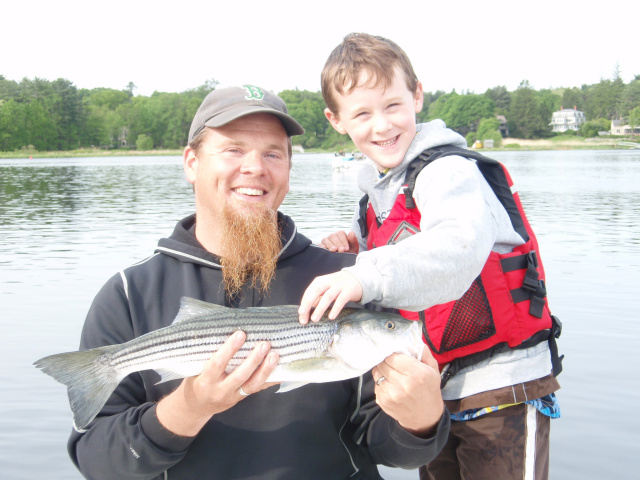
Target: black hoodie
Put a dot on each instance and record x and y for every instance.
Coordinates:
(321, 431)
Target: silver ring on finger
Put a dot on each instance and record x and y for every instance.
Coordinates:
(243, 393)
(380, 380)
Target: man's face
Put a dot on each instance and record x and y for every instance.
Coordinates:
(380, 121)
(244, 164)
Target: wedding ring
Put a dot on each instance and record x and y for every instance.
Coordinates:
(243, 393)
(380, 380)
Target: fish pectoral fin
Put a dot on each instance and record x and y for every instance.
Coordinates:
(288, 386)
(317, 368)
(190, 307)
(168, 375)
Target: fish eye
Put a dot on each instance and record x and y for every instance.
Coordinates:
(390, 325)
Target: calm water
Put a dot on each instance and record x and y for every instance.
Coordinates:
(66, 225)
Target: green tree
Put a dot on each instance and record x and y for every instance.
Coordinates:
(131, 88)
(573, 97)
(500, 97)
(604, 99)
(8, 89)
(308, 109)
(488, 129)
(103, 116)
(428, 99)
(106, 98)
(39, 129)
(634, 117)
(471, 137)
(12, 119)
(526, 118)
(462, 112)
(63, 105)
(590, 128)
(549, 102)
(143, 142)
(630, 97)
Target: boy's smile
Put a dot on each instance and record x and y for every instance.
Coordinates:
(380, 121)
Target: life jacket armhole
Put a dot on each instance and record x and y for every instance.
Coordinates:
(362, 219)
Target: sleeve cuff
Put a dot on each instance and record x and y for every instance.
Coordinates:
(160, 436)
(439, 435)
(368, 276)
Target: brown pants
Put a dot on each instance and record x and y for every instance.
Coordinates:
(512, 443)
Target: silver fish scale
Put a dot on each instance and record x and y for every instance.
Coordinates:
(195, 339)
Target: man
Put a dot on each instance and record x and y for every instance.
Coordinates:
(239, 251)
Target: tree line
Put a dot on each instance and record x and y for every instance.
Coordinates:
(45, 115)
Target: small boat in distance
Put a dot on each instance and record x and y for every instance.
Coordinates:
(343, 161)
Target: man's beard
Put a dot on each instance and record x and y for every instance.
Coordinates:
(250, 247)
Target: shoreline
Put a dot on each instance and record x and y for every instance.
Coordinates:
(508, 144)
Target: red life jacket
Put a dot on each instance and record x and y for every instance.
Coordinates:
(506, 305)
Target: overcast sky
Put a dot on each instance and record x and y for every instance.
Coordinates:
(279, 45)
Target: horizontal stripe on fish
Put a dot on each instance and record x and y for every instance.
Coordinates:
(205, 339)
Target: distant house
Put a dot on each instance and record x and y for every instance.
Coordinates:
(567, 119)
(618, 128)
(504, 130)
(123, 137)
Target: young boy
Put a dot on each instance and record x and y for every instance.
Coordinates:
(447, 243)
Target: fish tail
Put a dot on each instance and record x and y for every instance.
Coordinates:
(89, 378)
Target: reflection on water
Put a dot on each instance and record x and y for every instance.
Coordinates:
(66, 225)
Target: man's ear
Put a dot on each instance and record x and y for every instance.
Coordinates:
(190, 164)
(334, 121)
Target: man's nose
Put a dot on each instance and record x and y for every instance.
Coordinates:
(252, 163)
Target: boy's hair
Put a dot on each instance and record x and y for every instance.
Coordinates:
(358, 53)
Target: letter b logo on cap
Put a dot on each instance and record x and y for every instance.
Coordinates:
(253, 92)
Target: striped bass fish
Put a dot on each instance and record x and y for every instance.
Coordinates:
(325, 351)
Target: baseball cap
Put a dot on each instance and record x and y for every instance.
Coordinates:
(227, 103)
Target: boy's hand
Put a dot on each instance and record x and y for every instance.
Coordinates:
(337, 288)
(341, 242)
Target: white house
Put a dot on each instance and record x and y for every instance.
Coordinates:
(567, 119)
(618, 128)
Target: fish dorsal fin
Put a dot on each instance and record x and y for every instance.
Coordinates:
(191, 307)
(343, 313)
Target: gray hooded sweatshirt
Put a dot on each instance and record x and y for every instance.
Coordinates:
(462, 221)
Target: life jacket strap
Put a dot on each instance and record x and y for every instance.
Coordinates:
(556, 359)
(533, 288)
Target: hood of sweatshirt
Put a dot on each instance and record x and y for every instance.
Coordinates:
(383, 191)
(183, 245)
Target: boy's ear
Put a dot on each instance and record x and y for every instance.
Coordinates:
(418, 98)
(334, 121)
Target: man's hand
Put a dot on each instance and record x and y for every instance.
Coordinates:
(341, 242)
(337, 288)
(410, 392)
(188, 408)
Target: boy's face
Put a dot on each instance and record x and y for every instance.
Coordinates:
(380, 121)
